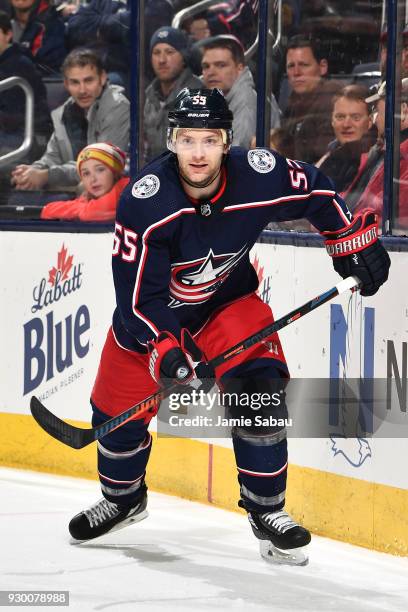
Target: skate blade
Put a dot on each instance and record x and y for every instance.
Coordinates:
(129, 521)
(277, 556)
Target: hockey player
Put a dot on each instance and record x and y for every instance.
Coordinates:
(184, 287)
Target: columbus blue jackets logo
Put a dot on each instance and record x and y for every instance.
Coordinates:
(261, 160)
(195, 282)
(354, 450)
(146, 187)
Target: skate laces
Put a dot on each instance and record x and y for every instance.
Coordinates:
(103, 509)
(280, 521)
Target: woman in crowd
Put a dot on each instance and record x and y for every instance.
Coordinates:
(100, 166)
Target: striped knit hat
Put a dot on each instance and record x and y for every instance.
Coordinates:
(105, 152)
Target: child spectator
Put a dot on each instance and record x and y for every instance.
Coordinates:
(100, 166)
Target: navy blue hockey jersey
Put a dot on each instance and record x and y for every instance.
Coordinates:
(173, 267)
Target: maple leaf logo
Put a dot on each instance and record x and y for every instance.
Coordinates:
(64, 265)
(258, 269)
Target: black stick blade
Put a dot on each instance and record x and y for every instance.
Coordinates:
(58, 429)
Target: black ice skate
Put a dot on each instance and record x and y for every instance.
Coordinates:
(281, 539)
(104, 517)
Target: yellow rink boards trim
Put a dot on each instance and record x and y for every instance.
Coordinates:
(363, 513)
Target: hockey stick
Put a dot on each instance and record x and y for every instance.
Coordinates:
(77, 437)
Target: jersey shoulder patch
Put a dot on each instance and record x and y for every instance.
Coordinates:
(261, 160)
(146, 187)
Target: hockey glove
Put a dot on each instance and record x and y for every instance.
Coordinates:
(179, 362)
(356, 251)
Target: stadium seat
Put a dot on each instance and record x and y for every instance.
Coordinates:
(56, 92)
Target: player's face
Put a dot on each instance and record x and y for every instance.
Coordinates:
(219, 69)
(350, 120)
(84, 84)
(97, 178)
(167, 62)
(303, 70)
(199, 154)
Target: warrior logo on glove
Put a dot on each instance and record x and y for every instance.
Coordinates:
(356, 251)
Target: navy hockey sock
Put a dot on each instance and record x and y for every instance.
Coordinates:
(262, 470)
(122, 458)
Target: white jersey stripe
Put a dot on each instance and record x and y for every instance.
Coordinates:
(280, 200)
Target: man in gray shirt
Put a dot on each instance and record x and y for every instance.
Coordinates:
(169, 55)
(95, 112)
(223, 65)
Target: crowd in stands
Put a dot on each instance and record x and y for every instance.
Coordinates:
(317, 116)
(15, 61)
(367, 189)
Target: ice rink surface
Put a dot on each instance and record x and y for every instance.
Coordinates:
(184, 556)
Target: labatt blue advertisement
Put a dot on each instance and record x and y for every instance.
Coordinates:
(58, 308)
(53, 346)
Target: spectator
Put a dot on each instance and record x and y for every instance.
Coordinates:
(223, 66)
(371, 162)
(307, 118)
(157, 13)
(169, 53)
(94, 112)
(100, 166)
(373, 194)
(197, 27)
(404, 53)
(103, 26)
(38, 27)
(14, 61)
(352, 124)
